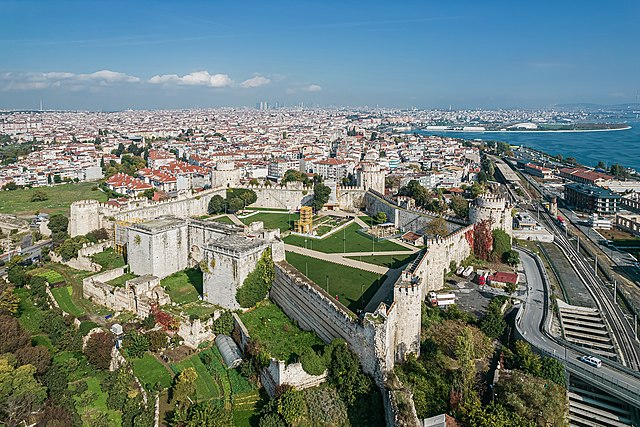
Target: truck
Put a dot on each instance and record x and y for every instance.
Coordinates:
(441, 300)
(467, 271)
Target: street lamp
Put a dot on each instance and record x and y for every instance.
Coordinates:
(328, 284)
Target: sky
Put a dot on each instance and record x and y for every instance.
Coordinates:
(114, 55)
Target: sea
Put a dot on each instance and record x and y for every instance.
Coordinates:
(588, 148)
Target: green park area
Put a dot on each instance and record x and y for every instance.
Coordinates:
(354, 287)
(121, 280)
(350, 239)
(206, 387)
(62, 295)
(224, 220)
(390, 261)
(150, 371)
(58, 198)
(185, 286)
(283, 221)
(108, 259)
(276, 333)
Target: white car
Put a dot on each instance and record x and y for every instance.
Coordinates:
(591, 360)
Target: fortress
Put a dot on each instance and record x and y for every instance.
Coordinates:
(161, 238)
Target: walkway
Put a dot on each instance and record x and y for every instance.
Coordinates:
(339, 258)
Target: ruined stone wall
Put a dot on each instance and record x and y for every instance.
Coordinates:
(279, 373)
(196, 331)
(350, 198)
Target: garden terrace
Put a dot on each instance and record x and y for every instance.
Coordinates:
(353, 287)
(184, 287)
(350, 239)
(277, 334)
(271, 221)
(121, 280)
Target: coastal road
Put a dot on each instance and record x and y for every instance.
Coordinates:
(532, 324)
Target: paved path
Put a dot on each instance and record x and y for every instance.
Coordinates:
(338, 259)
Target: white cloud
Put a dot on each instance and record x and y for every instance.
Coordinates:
(256, 81)
(313, 88)
(197, 78)
(31, 81)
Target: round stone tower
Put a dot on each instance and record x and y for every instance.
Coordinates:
(371, 176)
(225, 174)
(493, 208)
(85, 217)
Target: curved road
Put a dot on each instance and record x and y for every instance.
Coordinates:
(531, 323)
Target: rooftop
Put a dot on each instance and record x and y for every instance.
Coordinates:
(161, 223)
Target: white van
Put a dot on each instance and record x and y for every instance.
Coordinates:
(591, 360)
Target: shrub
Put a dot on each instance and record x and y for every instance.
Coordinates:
(312, 363)
(258, 282)
(223, 324)
(98, 349)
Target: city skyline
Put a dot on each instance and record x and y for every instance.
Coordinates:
(113, 56)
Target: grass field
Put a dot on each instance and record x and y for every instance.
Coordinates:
(391, 261)
(353, 286)
(349, 240)
(59, 199)
(206, 387)
(277, 333)
(150, 371)
(121, 280)
(98, 401)
(53, 277)
(63, 298)
(283, 221)
(30, 315)
(184, 286)
(224, 220)
(108, 259)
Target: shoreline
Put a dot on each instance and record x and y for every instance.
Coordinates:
(522, 131)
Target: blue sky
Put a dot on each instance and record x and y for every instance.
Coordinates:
(467, 54)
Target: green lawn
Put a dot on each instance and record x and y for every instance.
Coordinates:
(98, 402)
(353, 286)
(59, 199)
(53, 277)
(184, 286)
(348, 239)
(224, 220)
(368, 220)
(108, 259)
(30, 315)
(121, 280)
(206, 387)
(63, 298)
(391, 261)
(277, 333)
(283, 221)
(150, 371)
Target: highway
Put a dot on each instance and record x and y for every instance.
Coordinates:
(532, 323)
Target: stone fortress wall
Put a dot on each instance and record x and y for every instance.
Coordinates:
(136, 295)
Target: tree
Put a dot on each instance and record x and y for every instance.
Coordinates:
(291, 406)
(223, 324)
(208, 414)
(98, 349)
(345, 373)
(149, 322)
(493, 324)
(58, 223)
(157, 340)
(312, 363)
(258, 283)
(552, 370)
(39, 196)
(512, 258)
(20, 393)
(9, 301)
(460, 206)
(320, 195)
(510, 288)
(135, 344)
(12, 336)
(525, 359)
(216, 205)
(437, 227)
(533, 398)
(149, 193)
(501, 244)
(235, 204)
(381, 217)
(477, 188)
(184, 387)
(464, 379)
(38, 356)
